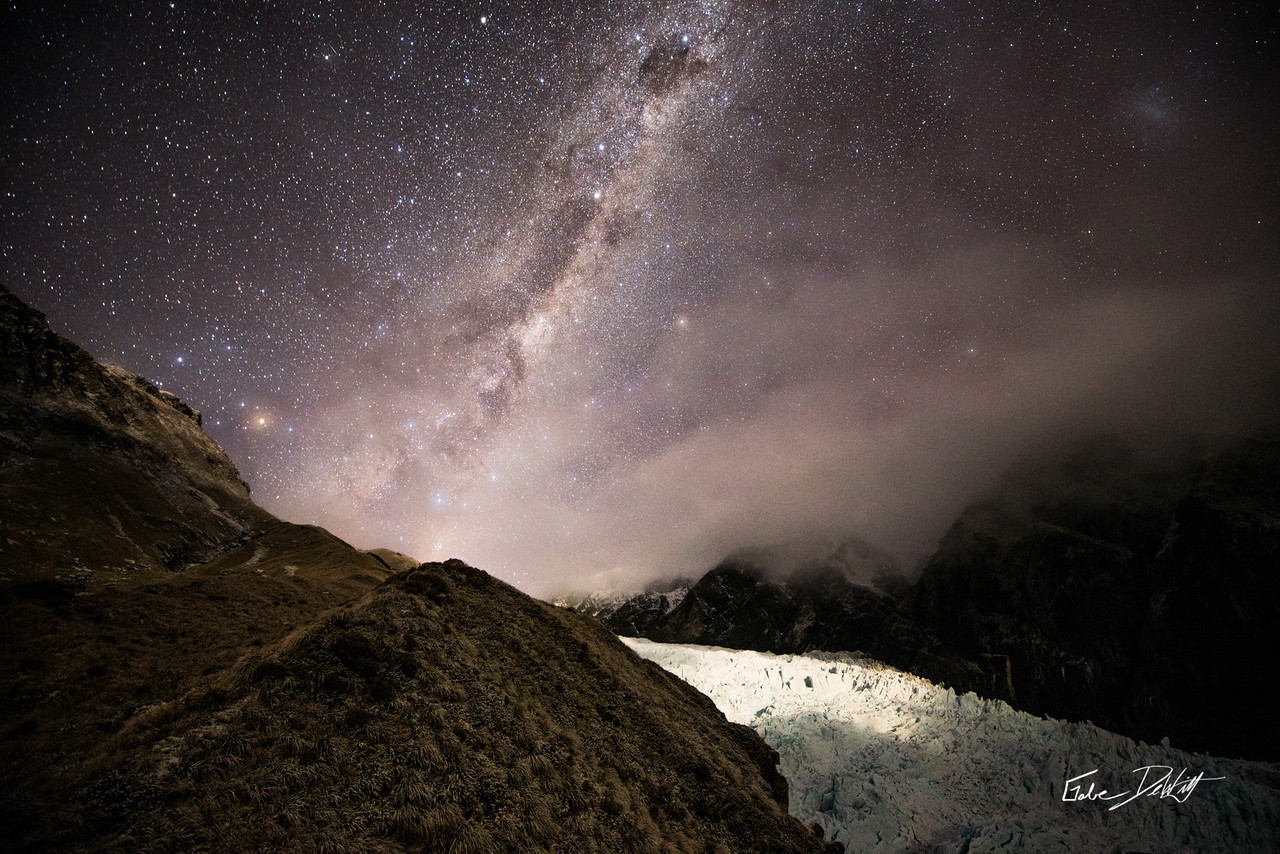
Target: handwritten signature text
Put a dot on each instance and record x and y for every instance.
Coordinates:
(1157, 781)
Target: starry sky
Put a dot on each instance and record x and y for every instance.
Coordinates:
(591, 293)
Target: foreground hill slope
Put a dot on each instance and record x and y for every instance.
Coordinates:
(181, 670)
(445, 711)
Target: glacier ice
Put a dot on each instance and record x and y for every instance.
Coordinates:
(886, 761)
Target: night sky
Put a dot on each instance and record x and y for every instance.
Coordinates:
(590, 293)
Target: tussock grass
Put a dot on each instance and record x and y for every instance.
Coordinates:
(450, 715)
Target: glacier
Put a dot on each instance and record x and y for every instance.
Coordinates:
(886, 761)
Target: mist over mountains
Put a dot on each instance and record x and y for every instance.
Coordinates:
(1099, 584)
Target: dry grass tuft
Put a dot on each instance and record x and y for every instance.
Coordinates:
(460, 719)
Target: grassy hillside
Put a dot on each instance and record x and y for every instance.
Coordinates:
(179, 670)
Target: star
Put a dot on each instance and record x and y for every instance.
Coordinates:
(811, 273)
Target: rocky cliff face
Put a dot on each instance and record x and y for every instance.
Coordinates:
(1213, 619)
(816, 606)
(108, 456)
(183, 671)
(1142, 597)
(630, 615)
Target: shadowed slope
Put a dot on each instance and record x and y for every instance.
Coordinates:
(1142, 596)
(94, 451)
(444, 711)
(131, 558)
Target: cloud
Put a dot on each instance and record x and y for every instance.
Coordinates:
(809, 461)
(753, 294)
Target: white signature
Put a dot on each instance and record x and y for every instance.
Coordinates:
(1161, 786)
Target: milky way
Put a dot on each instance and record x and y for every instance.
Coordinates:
(592, 293)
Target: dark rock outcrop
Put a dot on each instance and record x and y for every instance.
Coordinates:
(1213, 625)
(742, 605)
(631, 616)
(123, 465)
(1144, 597)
